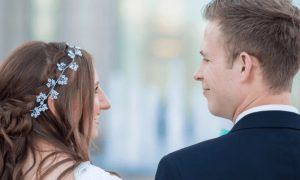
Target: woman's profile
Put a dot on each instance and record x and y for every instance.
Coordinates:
(50, 102)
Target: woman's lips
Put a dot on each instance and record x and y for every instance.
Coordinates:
(96, 119)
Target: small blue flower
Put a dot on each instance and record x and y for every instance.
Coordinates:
(41, 97)
(62, 80)
(35, 112)
(43, 107)
(53, 94)
(61, 66)
(74, 66)
(71, 53)
(51, 82)
(78, 51)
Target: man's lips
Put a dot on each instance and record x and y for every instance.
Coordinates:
(205, 90)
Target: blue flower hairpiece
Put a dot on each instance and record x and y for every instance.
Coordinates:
(72, 52)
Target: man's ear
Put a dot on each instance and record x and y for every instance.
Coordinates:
(245, 66)
(51, 106)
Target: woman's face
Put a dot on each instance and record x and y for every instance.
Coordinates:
(100, 103)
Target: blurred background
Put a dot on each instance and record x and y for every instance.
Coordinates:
(146, 52)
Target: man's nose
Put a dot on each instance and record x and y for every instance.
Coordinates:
(198, 76)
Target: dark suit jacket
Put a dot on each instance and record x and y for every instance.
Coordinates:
(261, 146)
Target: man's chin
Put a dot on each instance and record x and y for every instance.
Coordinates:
(214, 111)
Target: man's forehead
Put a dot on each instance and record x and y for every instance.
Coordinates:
(213, 31)
(213, 43)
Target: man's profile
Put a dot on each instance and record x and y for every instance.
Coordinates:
(251, 53)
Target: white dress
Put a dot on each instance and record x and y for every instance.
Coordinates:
(86, 170)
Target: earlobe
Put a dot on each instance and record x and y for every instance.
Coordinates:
(51, 106)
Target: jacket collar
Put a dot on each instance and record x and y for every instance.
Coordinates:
(268, 107)
(268, 119)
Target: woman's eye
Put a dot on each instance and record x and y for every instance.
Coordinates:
(96, 89)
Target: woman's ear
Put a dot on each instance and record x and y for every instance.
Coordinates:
(51, 106)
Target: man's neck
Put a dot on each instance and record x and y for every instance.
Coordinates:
(262, 99)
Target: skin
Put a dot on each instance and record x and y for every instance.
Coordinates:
(232, 89)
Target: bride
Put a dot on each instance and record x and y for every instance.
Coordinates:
(50, 102)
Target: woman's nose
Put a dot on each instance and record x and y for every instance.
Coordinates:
(104, 101)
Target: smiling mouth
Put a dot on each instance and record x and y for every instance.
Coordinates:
(205, 90)
(96, 119)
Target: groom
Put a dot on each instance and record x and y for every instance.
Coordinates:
(251, 53)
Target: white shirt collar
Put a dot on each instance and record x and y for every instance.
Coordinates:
(271, 107)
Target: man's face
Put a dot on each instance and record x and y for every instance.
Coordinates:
(219, 78)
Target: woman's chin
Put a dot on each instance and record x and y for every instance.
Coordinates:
(94, 135)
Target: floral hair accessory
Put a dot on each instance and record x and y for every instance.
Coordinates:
(72, 52)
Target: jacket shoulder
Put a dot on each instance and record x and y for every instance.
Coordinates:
(175, 165)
